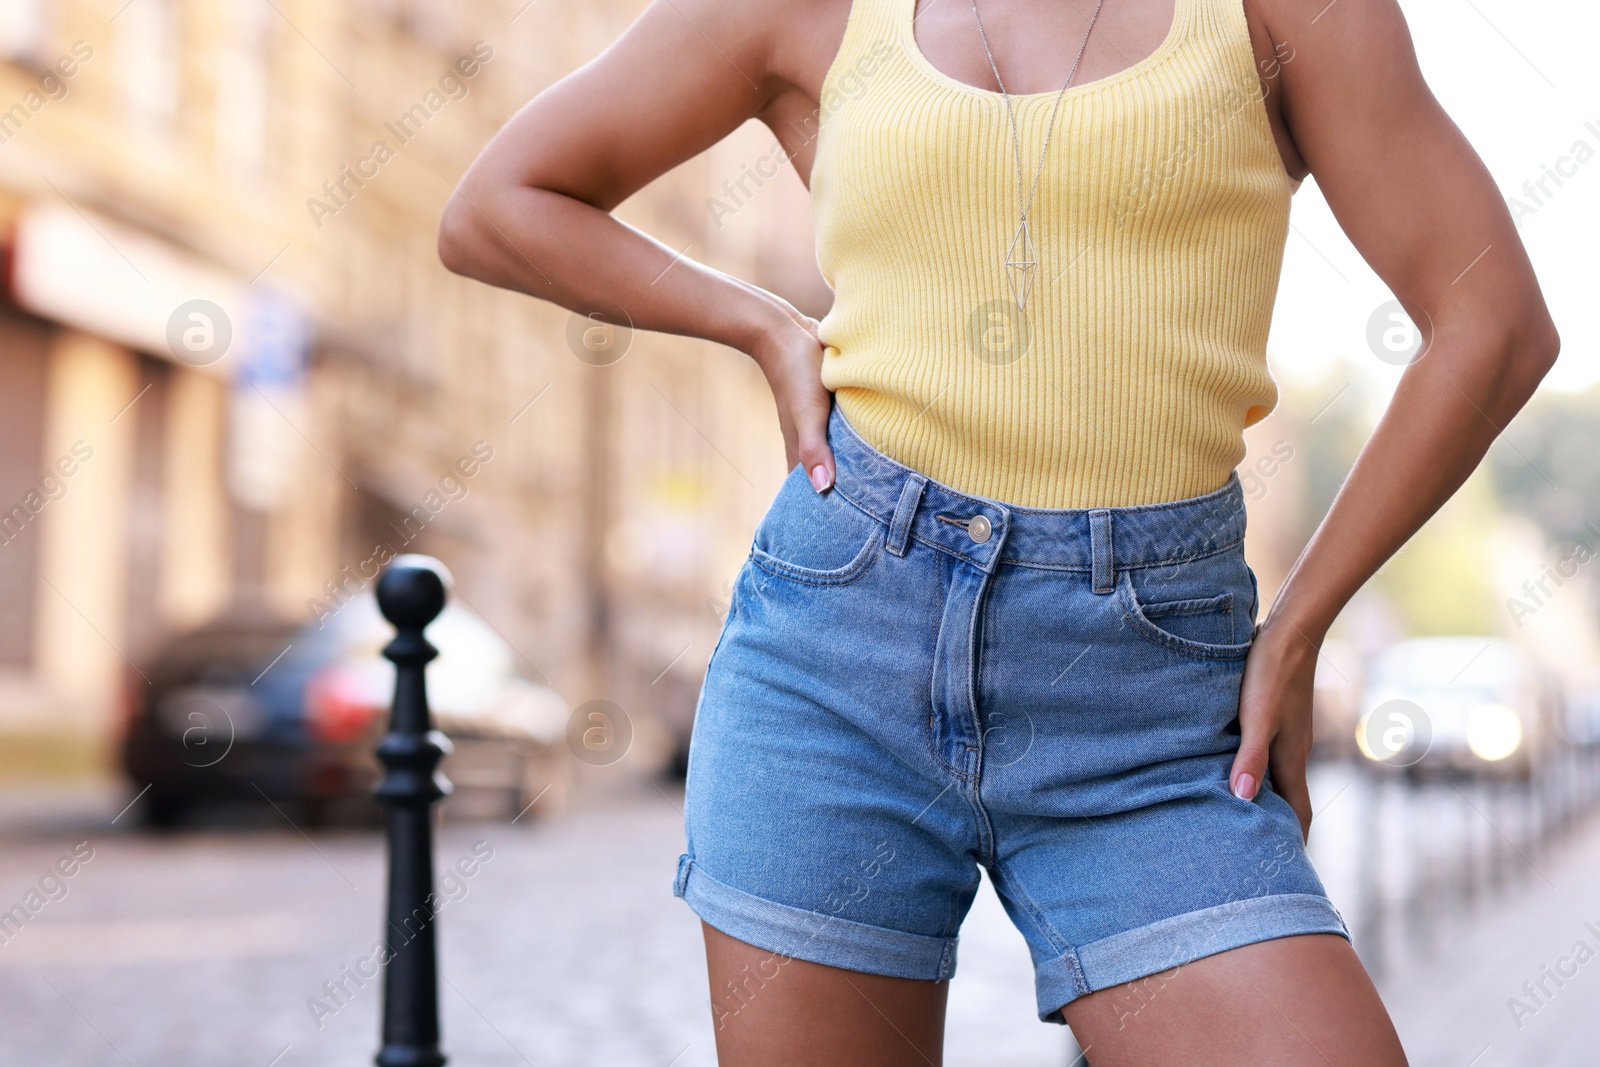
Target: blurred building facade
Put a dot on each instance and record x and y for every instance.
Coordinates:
(233, 374)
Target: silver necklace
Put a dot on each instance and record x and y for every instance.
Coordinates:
(1021, 259)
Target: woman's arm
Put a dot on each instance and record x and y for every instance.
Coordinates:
(1423, 211)
(533, 212)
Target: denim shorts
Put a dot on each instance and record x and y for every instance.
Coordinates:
(913, 683)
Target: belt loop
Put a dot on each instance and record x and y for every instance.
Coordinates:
(1100, 548)
(904, 512)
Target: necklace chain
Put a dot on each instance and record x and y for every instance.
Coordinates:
(1022, 243)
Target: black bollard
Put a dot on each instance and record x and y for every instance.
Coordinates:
(410, 597)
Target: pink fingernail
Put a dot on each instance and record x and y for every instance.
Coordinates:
(1244, 787)
(820, 478)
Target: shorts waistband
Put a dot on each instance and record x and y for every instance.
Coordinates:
(987, 532)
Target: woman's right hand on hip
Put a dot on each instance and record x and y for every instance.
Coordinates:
(790, 355)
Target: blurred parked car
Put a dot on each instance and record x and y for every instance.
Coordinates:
(248, 706)
(1581, 723)
(1463, 703)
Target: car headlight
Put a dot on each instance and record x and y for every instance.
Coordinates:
(1493, 732)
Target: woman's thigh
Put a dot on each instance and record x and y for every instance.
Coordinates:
(770, 1010)
(1289, 1001)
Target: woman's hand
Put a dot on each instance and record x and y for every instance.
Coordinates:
(1275, 717)
(789, 353)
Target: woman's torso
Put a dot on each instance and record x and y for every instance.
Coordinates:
(1157, 224)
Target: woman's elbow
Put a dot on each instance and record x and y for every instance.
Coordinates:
(1533, 347)
(1545, 344)
(1528, 349)
(458, 237)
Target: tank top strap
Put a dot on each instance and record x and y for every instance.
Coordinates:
(871, 36)
(1226, 31)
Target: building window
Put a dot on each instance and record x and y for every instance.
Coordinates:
(25, 27)
(432, 22)
(148, 60)
(244, 77)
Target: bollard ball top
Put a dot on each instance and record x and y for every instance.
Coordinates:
(411, 591)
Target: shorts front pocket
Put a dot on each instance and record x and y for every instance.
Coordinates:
(1202, 626)
(816, 538)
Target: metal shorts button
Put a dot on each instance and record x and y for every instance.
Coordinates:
(979, 528)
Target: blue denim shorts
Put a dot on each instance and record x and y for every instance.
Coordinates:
(914, 682)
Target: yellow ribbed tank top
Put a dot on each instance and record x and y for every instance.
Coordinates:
(1158, 228)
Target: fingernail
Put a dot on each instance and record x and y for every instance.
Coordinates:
(820, 478)
(1244, 787)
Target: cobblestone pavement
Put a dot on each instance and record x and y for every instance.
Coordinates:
(565, 947)
(1467, 1005)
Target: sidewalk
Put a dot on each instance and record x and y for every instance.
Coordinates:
(1453, 1011)
(568, 948)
